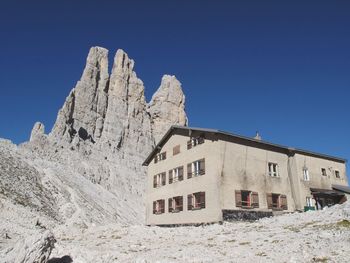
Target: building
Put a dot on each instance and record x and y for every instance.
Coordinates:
(202, 175)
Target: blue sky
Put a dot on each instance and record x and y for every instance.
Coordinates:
(279, 67)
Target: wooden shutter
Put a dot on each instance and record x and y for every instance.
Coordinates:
(284, 204)
(202, 166)
(181, 201)
(154, 181)
(163, 178)
(154, 207)
(170, 207)
(170, 176)
(162, 206)
(164, 155)
(156, 158)
(269, 200)
(189, 144)
(238, 195)
(189, 170)
(189, 202)
(176, 150)
(181, 173)
(255, 199)
(202, 199)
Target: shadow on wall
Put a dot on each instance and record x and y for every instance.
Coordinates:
(64, 259)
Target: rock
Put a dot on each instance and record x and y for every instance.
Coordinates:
(37, 132)
(35, 248)
(167, 107)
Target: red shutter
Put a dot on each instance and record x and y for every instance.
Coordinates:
(181, 201)
(269, 200)
(154, 181)
(284, 204)
(189, 170)
(163, 178)
(154, 207)
(170, 176)
(255, 198)
(189, 144)
(170, 207)
(238, 195)
(202, 166)
(189, 202)
(162, 206)
(181, 173)
(176, 150)
(202, 199)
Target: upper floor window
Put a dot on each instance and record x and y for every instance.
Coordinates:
(176, 150)
(159, 206)
(196, 168)
(276, 201)
(273, 169)
(175, 204)
(196, 201)
(176, 174)
(160, 157)
(247, 199)
(159, 180)
(306, 175)
(337, 174)
(324, 172)
(194, 141)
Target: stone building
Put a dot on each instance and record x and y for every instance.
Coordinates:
(202, 175)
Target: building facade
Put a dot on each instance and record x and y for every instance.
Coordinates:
(202, 176)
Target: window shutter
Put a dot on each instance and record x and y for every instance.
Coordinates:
(154, 181)
(189, 144)
(284, 205)
(255, 197)
(162, 206)
(176, 150)
(170, 176)
(163, 178)
(156, 158)
(202, 199)
(238, 198)
(202, 166)
(189, 170)
(154, 207)
(164, 155)
(269, 201)
(170, 207)
(181, 201)
(189, 202)
(181, 173)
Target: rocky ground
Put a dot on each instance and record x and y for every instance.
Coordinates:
(321, 236)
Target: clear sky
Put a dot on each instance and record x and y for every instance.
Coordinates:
(279, 67)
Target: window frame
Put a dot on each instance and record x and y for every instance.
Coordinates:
(324, 171)
(306, 174)
(275, 167)
(337, 174)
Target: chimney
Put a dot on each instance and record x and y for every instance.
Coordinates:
(257, 136)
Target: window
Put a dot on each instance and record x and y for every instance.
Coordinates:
(175, 204)
(194, 141)
(176, 174)
(276, 201)
(273, 169)
(308, 201)
(323, 170)
(247, 199)
(306, 174)
(176, 150)
(196, 201)
(160, 157)
(159, 207)
(337, 174)
(159, 180)
(196, 168)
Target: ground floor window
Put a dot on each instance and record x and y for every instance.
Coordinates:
(159, 206)
(309, 201)
(196, 201)
(276, 201)
(247, 199)
(175, 204)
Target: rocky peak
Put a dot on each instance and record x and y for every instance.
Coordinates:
(37, 132)
(167, 107)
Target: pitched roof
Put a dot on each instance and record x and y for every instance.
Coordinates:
(285, 149)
